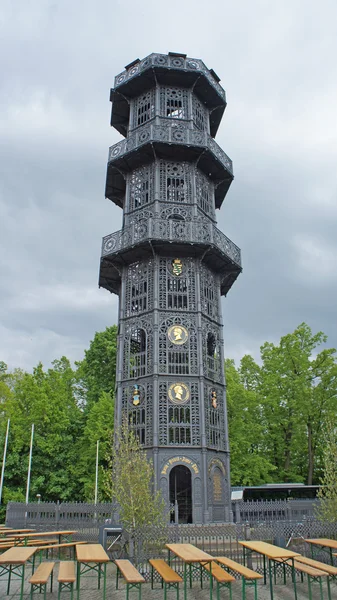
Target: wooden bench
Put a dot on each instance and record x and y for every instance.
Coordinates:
(132, 577)
(169, 577)
(66, 578)
(222, 578)
(312, 574)
(39, 579)
(249, 577)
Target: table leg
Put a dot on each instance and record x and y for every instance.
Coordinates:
(331, 556)
(104, 581)
(9, 579)
(293, 571)
(78, 582)
(99, 576)
(210, 581)
(185, 581)
(22, 580)
(244, 555)
(264, 570)
(270, 579)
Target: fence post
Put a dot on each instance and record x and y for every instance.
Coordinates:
(247, 538)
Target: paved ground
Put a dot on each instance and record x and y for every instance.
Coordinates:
(89, 591)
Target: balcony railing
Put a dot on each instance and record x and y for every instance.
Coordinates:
(174, 133)
(173, 62)
(171, 231)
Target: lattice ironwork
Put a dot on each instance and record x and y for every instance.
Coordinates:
(213, 368)
(174, 102)
(139, 416)
(138, 348)
(205, 194)
(139, 288)
(214, 415)
(210, 293)
(144, 108)
(141, 188)
(175, 182)
(186, 64)
(200, 114)
(168, 131)
(174, 359)
(179, 424)
(177, 292)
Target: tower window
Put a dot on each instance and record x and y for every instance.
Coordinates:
(175, 182)
(179, 425)
(199, 114)
(174, 103)
(140, 188)
(137, 423)
(144, 108)
(212, 357)
(138, 353)
(205, 198)
(177, 293)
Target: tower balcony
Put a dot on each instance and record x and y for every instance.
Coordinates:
(171, 140)
(167, 69)
(169, 237)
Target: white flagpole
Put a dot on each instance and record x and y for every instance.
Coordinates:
(30, 463)
(96, 478)
(4, 460)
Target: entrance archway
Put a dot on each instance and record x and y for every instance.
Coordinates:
(181, 493)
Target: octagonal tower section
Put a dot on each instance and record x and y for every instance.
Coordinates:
(169, 265)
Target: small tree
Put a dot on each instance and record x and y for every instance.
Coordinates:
(129, 478)
(327, 508)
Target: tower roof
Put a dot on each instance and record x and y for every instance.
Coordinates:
(170, 69)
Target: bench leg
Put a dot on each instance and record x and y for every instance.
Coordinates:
(309, 587)
(151, 577)
(244, 589)
(117, 570)
(165, 590)
(329, 590)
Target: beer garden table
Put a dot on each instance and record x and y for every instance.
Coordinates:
(14, 561)
(270, 552)
(65, 534)
(323, 544)
(191, 555)
(12, 532)
(91, 557)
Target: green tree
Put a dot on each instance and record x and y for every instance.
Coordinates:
(46, 399)
(96, 373)
(327, 508)
(250, 465)
(129, 480)
(299, 387)
(98, 426)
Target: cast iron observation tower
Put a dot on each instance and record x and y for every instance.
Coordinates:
(170, 265)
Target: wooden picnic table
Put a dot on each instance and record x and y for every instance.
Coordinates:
(13, 561)
(324, 544)
(5, 532)
(270, 552)
(66, 534)
(91, 557)
(191, 556)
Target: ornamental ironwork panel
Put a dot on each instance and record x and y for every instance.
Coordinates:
(168, 131)
(176, 182)
(178, 358)
(187, 64)
(209, 293)
(179, 417)
(139, 288)
(143, 108)
(138, 409)
(214, 414)
(177, 292)
(141, 188)
(171, 230)
(138, 348)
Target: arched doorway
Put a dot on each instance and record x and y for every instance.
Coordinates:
(181, 493)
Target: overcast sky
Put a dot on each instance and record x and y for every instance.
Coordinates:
(58, 59)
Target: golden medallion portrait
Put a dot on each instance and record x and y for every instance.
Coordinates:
(177, 334)
(178, 393)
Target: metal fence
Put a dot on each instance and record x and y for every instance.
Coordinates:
(149, 542)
